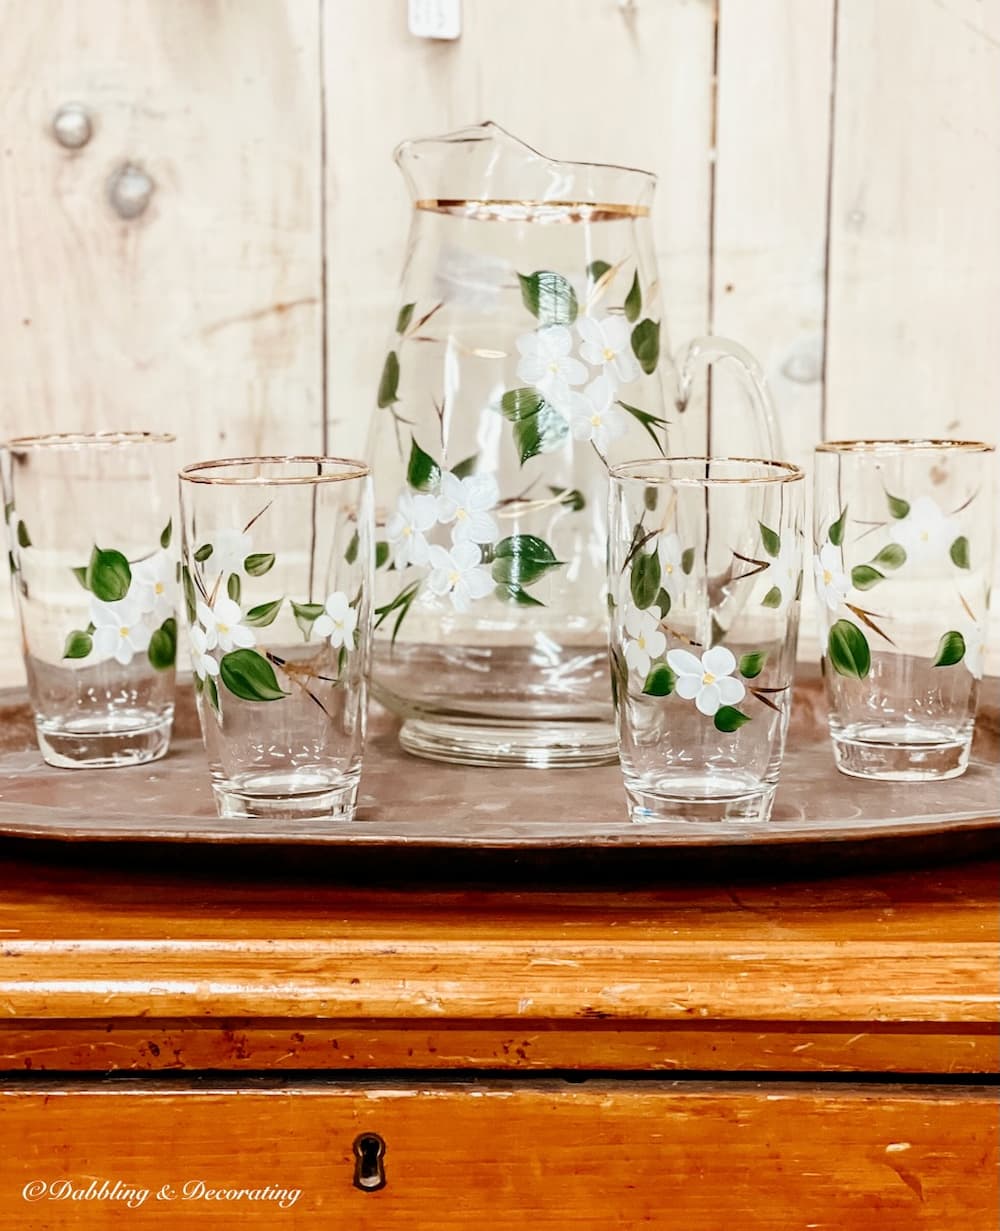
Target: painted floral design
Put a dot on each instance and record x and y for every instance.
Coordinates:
(459, 573)
(594, 416)
(465, 504)
(645, 640)
(673, 560)
(227, 553)
(154, 584)
(784, 571)
(407, 528)
(223, 625)
(119, 629)
(708, 680)
(337, 622)
(606, 344)
(203, 661)
(832, 584)
(974, 636)
(547, 364)
(925, 533)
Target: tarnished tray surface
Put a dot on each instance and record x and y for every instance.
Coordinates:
(411, 803)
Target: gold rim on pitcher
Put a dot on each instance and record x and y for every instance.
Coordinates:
(347, 468)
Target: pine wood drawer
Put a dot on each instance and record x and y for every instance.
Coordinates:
(552, 1154)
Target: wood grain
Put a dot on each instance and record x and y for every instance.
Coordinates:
(557, 1155)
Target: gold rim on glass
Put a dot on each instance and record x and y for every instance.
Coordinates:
(903, 446)
(657, 470)
(492, 210)
(86, 440)
(349, 468)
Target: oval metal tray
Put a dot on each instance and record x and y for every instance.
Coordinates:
(410, 804)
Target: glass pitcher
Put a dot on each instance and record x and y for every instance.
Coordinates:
(528, 353)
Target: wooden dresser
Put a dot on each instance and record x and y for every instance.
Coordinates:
(264, 1045)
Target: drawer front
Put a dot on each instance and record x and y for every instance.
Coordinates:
(498, 1156)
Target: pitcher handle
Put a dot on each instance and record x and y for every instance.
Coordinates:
(703, 352)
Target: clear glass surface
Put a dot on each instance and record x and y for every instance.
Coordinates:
(528, 352)
(90, 526)
(705, 579)
(277, 568)
(903, 551)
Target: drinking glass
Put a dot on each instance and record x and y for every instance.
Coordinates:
(903, 534)
(705, 577)
(90, 528)
(277, 572)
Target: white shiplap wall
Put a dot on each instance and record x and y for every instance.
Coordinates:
(830, 188)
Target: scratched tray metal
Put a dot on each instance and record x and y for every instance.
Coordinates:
(410, 804)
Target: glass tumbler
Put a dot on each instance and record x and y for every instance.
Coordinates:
(705, 577)
(903, 533)
(90, 532)
(277, 562)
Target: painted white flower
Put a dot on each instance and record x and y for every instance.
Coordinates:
(606, 344)
(926, 532)
(119, 629)
(782, 573)
(415, 513)
(708, 681)
(153, 586)
(975, 648)
(668, 548)
(337, 621)
(201, 660)
(832, 583)
(229, 549)
(467, 502)
(222, 625)
(459, 573)
(594, 416)
(646, 641)
(547, 364)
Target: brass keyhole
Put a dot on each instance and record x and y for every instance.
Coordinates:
(369, 1170)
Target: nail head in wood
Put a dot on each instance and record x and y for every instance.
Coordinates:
(129, 191)
(71, 126)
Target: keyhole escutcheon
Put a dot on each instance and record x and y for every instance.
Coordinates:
(369, 1167)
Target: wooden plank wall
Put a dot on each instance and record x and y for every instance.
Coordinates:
(829, 190)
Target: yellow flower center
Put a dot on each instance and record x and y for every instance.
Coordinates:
(641, 641)
(708, 678)
(158, 588)
(924, 536)
(827, 577)
(454, 577)
(407, 531)
(668, 569)
(595, 420)
(461, 515)
(554, 367)
(123, 632)
(223, 628)
(609, 354)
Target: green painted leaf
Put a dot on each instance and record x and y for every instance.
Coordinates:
(863, 576)
(549, 296)
(728, 718)
(422, 472)
(770, 538)
(162, 650)
(190, 594)
(541, 433)
(305, 614)
(517, 404)
(404, 317)
(23, 538)
(573, 500)
(650, 496)
(249, 676)
(649, 423)
(646, 344)
(891, 556)
(382, 552)
(81, 575)
(751, 665)
(78, 644)
(259, 563)
(687, 560)
(597, 269)
(388, 385)
(203, 552)
(234, 587)
(465, 467)
(351, 554)
(167, 534)
(798, 586)
(633, 300)
(959, 552)
(836, 532)
(522, 560)
(619, 677)
(516, 594)
(848, 650)
(660, 681)
(212, 692)
(897, 507)
(108, 575)
(951, 650)
(772, 598)
(11, 562)
(645, 580)
(263, 614)
(663, 601)
(401, 604)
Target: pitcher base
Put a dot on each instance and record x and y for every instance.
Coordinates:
(542, 746)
